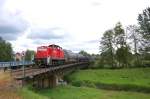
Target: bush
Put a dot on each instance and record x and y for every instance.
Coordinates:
(146, 63)
(77, 84)
(98, 64)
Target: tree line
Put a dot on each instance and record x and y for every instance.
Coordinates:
(7, 53)
(129, 47)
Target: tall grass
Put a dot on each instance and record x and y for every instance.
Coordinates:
(71, 92)
(6, 91)
(127, 79)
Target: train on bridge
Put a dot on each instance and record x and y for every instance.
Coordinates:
(53, 55)
(46, 56)
(47, 69)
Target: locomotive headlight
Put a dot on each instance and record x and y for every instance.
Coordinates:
(39, 62)
(48, 60)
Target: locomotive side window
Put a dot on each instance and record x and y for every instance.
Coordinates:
(42, 49)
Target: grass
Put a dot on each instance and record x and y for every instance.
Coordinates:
(71, 92)
(4, 77)
(7, 92)
(134, 79)
(129, 77)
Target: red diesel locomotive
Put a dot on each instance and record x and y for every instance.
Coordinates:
(49, 55)
(53, 55)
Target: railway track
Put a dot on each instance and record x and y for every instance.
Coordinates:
(32, 71)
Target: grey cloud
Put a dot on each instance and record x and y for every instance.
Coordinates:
(45, 34)
(11, 25)
(37, 42)
(46, 42)
(86, 45)
(8, 29)
(2, 2)
(9, 36)
(11, 29)
(95, 3)
(78, 49)
(10, 32)
(26, 45)
(92, 41)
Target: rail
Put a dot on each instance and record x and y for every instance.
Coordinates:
(18, 74)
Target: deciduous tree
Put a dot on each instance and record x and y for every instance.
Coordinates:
(144, 23)
(106, 47)
(134, 36)
(5, 50)
(29, 54)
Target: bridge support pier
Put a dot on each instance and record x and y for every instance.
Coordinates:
(46, 82)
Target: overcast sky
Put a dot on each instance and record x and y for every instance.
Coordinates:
(73, 24)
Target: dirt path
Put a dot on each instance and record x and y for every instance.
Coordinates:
(7, 91)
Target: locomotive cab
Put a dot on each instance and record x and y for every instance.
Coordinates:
(57, 54)
(42, 56)
(49, 55)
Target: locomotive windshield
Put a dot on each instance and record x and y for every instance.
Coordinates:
(42, 49)
(55, 46)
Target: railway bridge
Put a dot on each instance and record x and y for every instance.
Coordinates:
(46, 77)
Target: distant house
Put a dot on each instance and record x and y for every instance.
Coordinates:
(18, 57)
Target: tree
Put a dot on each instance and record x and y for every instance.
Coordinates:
(106, 47)
(6, 51)
(123, 49)
(134, 37)
(84, 53)
(29, 54)
(119, 33)
(124, 56)
(144, 22)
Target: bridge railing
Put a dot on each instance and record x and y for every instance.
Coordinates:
(15, 64)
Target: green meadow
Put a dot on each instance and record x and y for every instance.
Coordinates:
(127, 79)
(71, 92)
(98, 84)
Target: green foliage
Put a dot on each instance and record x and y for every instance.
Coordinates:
(136, 60)
(119, 35)
(147, 56)
(114, 49)
(144, 23)
(107, 41)
(134, 35)
(99, 63)
(29, 55)
(123, 56)
(84, 53)
(122, 79)
(6, 51)
(107, 50)
(70, 92)
(146, 63)
(27, 93)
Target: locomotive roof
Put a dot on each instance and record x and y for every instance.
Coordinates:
(53, 45)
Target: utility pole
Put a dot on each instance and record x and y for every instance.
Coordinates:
(23, 59)
(11, 75)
